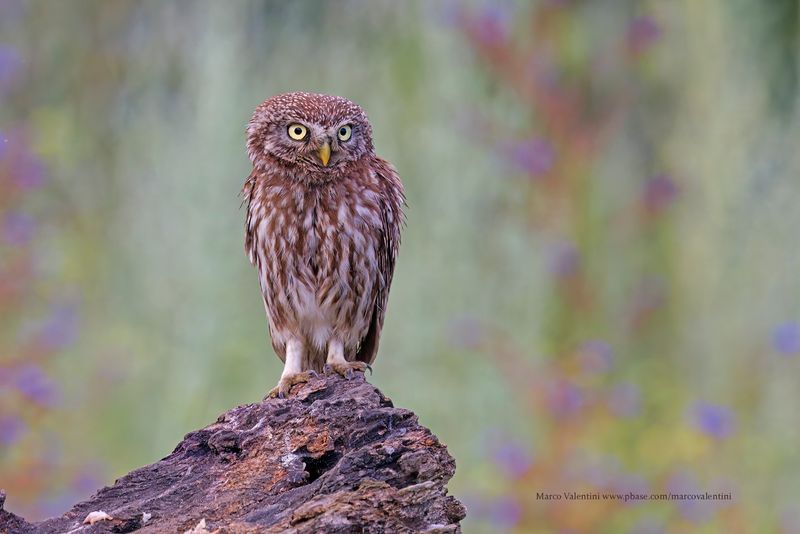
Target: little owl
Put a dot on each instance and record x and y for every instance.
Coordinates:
(323, 228)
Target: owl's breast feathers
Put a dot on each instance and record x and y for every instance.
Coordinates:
(325, 254)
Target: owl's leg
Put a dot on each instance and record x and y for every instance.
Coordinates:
(337, 363)
(292, 370)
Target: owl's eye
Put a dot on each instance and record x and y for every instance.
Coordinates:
(345, 132)
(297, 132)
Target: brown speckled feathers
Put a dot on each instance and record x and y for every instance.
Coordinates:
(323, 236)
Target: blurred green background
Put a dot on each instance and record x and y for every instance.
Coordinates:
(598, 288)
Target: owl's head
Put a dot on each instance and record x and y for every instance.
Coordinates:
(315, 133)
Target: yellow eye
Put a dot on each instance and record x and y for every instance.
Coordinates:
(297, 132)
(345, 132)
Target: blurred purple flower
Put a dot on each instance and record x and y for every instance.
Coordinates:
(466, 332)
(643, 32)
(786, 338)
(596, 356)
(512, 458)
(28, 170)
(11, 429)
(564, 398)
(60, 329)
(505, 512)
(3, 145)
(563, 259)
(535, 156)
(659, 193)
(10, 66)
(625, 400)
(493, 23)
(600, 471)
(714, 420)
(18, 228)
(34, 384)
(684, 482)
(86, 480)
(54, 505)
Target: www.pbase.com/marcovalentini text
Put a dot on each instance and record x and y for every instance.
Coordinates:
(626, 497)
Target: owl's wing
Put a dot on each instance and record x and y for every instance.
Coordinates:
(392, 200)
(247, 193)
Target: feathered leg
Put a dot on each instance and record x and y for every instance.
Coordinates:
(292, 370)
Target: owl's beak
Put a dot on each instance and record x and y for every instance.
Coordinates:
(325, 153)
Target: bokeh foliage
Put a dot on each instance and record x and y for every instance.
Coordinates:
(597, 289)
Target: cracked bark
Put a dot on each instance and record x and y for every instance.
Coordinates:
(336, 456)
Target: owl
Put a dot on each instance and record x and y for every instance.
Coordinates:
(324, 215)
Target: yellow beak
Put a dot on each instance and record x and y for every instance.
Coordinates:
(325, 153)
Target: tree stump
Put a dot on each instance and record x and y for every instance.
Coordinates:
(335, 457)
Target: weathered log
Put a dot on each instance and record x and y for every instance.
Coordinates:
(334, 457)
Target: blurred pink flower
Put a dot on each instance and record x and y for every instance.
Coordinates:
(27, 170)
(596, 356)
(493, 23)
(659, 193)
(643, 32)
(512, 458)
(564, 398)
(563, 259)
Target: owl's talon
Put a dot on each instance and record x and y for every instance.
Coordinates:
(370, 369)
(326, 369)
(347, 370)
(281, 391)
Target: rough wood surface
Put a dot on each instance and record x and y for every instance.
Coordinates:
(334, 457)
